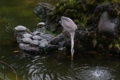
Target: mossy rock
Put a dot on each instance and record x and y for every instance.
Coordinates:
(86, 14)
(80, 10)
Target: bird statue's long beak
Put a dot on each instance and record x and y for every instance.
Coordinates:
(72, 44)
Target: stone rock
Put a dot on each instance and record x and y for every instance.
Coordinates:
(51, 48)
(37, 37)
(108, 24)
(87, 37)
(48, 37)
(43, 43)
(35, 43)
(42, 10)
(24, 47)
(27, 35)
(36, 33)
(27, 40)
(58, 40)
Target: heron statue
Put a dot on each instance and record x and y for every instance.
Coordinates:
(69, 26)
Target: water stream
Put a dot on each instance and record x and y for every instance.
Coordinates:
(35, 67)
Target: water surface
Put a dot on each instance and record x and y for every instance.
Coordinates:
(84, 67)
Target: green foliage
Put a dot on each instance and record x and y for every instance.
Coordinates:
(78, 10)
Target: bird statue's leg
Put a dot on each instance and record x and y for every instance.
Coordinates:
(72, 44)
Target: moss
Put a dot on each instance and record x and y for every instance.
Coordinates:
(118, 46)
(110, 46)
(80, 10)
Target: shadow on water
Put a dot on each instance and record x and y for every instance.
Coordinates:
(29, 67)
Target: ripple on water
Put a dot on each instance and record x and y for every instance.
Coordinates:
(93, 73)
(52, 70)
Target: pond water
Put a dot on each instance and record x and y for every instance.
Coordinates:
(84, 67)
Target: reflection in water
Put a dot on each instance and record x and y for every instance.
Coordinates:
(49, 69)
(10, 68)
